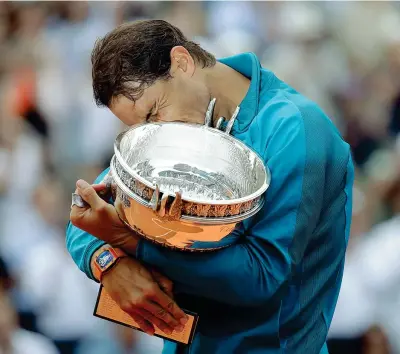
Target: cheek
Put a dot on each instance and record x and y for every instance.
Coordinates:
(167, 115)
(180, 114)
(185, 102)
(125, 112)
(189, 110)
(129, 121)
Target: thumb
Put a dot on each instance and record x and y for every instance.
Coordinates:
(88, 193)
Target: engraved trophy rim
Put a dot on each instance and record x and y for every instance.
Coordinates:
(232, 140)
(194, 219)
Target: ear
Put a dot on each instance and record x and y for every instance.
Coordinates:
(181, 62)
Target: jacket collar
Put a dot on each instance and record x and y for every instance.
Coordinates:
(248, 65)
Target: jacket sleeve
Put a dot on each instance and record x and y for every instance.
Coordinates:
(252, 270)
(82, 245)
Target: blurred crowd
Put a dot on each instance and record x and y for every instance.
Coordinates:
(343, 55)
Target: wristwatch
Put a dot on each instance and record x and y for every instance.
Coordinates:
(104, 259)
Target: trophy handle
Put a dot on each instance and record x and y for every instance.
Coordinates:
(208, 121)
(155, 199)
(232, 120)
(158, 203)
(209, 113)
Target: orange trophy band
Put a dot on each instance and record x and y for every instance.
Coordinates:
(175, 233)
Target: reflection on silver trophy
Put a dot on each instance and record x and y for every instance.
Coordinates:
(185, 186)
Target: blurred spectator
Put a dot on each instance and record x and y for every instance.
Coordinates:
(14, 340)
(370, 291)
(373, 341)
(62, 298)
(120, 340)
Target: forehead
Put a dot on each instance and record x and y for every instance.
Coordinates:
(125, 108)
(130, 112)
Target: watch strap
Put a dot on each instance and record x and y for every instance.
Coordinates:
(104, 259)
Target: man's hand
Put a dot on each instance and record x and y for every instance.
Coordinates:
(136, 291)
(100, 219)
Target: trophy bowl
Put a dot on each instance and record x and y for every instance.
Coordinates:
(185, 186)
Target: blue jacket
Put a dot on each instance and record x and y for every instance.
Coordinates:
(275, 289)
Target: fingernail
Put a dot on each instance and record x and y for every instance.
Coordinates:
(150, 333)
(179, 328)
(184, 320)
(82, 184)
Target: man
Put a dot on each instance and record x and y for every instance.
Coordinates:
(275, 289)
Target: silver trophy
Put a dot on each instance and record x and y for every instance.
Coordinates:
(185, 186)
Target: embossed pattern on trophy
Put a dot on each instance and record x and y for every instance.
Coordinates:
(179, 184)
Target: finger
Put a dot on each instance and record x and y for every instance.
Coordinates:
(77, 210)
(99, 187)
(89, 195)
(168, 304)
(103, 190)
(143, 324)
(163, 315)
(164, 283)
(162, 325)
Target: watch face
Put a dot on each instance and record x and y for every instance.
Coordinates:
(104, 259)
